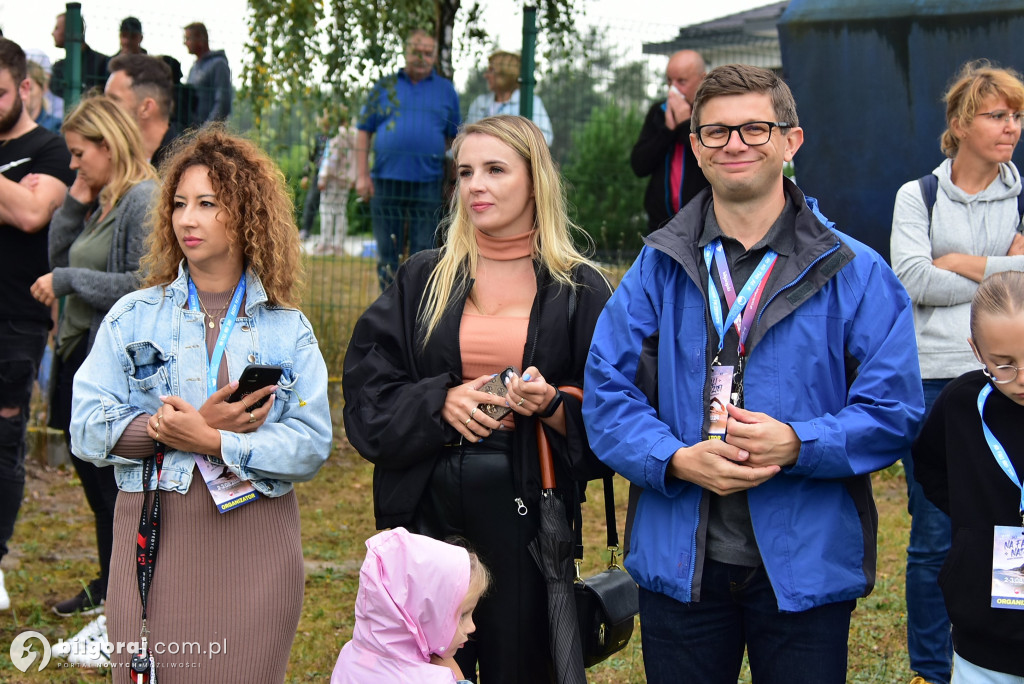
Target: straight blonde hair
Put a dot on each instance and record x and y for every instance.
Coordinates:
(101, 122)
(552, 246)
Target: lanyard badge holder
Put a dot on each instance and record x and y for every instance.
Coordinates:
(142, 665)
(1007, 540)
(726, 381)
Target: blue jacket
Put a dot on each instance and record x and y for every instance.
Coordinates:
(832, 354)
(150, 345)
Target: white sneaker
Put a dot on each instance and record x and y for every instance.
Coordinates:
(88, 648)
(5, 598)
(96, 629)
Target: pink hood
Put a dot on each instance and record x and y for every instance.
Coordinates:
(410, 590)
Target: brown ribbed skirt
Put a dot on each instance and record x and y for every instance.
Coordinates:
(227, 588)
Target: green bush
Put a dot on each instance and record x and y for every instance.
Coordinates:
(607, 198)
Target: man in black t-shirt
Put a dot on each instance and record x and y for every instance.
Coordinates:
(34, 175)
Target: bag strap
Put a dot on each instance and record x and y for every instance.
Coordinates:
(929, 185)
(612, 530)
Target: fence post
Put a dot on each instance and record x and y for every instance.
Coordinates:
(74, 44)
(527, 81)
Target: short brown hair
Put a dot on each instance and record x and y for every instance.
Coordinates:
(198, 29)
(12, 58)
(739, 79)
(151, 77)
(976, 81)
(258, 208)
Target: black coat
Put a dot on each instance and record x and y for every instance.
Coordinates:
(652, 156)
(959, 474)
(394, 390)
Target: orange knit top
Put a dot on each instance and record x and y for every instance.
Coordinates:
(489, 344)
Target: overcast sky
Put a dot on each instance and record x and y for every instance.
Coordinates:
(30, 22)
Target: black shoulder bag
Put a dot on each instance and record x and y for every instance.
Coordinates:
(607, 602)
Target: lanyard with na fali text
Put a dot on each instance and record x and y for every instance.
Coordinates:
(225, 331)
(997, 449)
(228, 490)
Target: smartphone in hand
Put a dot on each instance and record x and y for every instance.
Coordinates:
(496, 386)
(255, 377)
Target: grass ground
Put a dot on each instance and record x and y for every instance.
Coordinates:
(54, 544)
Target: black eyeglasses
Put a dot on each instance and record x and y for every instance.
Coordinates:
(753, 133)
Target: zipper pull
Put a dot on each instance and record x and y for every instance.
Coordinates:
(520, 506)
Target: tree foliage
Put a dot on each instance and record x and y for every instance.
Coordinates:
(307, 50)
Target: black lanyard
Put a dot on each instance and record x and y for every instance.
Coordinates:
(148, 540)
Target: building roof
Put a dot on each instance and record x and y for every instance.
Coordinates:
(750, 37)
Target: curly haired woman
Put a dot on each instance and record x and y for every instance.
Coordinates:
(221, 270)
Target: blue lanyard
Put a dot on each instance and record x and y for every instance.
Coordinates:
(997, 449)
(715, 252)
(225, 330)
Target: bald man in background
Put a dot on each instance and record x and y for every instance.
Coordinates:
(663, 149)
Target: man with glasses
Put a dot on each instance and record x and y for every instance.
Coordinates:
(751, 527)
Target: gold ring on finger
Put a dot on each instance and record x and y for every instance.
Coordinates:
(520, 402)
(469, 420)
(475, 409)
(252, 418)
(157, 435)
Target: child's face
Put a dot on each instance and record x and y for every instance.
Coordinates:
(999, 341)
(465, 626)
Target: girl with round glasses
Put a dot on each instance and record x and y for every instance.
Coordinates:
(941, 251)
(969, 459)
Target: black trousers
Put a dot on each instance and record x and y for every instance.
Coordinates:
(471, 495)
(98, 483)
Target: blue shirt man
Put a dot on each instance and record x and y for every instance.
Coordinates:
(411, 118)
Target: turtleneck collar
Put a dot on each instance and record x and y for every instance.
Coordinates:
(505, 248)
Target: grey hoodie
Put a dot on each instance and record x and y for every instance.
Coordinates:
(982, 224)
(210, 76)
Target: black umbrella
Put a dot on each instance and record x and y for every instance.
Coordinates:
(552, 550)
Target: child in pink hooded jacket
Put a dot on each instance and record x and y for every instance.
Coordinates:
(414, 609)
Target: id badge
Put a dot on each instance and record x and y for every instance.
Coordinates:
(227, 489)
(721, 391)
(1008, 567)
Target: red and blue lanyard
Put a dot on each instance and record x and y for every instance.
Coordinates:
(746, 302)
(997, 449)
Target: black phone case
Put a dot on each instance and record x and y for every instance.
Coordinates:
(255, 377)
(496, 386)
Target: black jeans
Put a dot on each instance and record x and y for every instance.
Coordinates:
(21, 349)
(98, 483)
(471, 495)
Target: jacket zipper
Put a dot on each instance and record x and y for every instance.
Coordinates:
(796, 280)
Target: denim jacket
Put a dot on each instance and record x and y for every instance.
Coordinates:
(150, 345)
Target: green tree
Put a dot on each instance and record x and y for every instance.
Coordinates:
(608, 198)
(309, 49)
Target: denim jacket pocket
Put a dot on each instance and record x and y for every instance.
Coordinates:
(148, 367)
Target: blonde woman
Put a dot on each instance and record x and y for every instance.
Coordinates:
(96, 241)
(502, 76)
(507, 288)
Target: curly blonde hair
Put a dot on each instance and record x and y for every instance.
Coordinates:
(252, 191)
